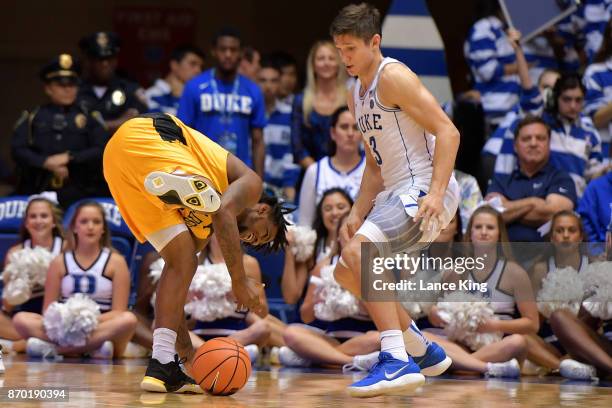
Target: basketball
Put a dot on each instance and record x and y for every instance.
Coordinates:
(221, 366)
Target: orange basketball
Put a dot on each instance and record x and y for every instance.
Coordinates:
(221, 366)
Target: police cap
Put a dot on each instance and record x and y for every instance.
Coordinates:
(63, 68)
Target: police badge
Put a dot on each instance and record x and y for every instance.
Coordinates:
(80, 120)
(118, 97)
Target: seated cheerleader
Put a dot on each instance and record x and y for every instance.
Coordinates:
(508, 288)
(566, 235)
(247, 328)
(335, 203)
(41, 227)
(92, 268)
(344, 337)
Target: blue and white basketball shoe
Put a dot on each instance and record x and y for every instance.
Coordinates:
(388, 376)
(434, 362)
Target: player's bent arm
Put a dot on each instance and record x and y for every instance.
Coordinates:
(253, 271)
(371, 185)
(545, 209)
(399, 86)
(522, 290)
(121, 282)
(53, 283)
(244, 190)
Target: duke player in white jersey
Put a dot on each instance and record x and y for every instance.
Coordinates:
(407, 193)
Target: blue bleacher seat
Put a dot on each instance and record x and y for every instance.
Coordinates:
(272, 266)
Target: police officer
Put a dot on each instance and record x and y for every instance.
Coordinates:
(117, 99)
(59, 146)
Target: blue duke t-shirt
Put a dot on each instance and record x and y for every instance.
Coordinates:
(225, 116)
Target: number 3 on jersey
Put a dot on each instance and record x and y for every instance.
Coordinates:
(372, 142)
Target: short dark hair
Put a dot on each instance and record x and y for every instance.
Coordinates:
(278, 210)
(530, 120)
(248, 52)
(268, 62)
(226, 32)
(361, 20)
(283, 59)
(180, 51)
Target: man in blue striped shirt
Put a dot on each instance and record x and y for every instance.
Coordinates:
(280, 172)
(492, 62)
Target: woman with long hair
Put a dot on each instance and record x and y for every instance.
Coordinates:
(41, 227)
(91, 267)
(325, 91)
(566, 235)
(343, 339)
(343, 167)
(508, 289)
(334, 204)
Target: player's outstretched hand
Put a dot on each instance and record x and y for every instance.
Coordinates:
(247, 293)
(430, 212)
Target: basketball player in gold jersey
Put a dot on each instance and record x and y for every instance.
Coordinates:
(173, 186)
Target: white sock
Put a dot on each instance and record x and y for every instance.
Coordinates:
(392, 342)
(416, 344)
(163, 345)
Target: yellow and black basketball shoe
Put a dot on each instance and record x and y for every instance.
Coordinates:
(168, 378)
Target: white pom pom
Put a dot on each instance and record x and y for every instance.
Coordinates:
(561, 289)
(71, 323)
(28, 267)
(598, 286)
(155, 270)
(463, 314)
(303, 242)
(209, 294)
(336, 303)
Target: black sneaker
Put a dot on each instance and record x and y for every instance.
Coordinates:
(168, 378)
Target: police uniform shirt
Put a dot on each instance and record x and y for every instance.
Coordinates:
(120, 95)
(53, 129)
(518, 185)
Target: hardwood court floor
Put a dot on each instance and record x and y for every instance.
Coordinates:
(116, 385)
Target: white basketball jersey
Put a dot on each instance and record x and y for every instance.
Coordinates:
(402, 149)
(329, 177)
(56, 248)
(91, 282)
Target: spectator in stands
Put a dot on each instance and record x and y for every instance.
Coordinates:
(58, 146)
(343, 167)
(492, 62)
(470, 197)
(106, 280)
(289, 76)
(595, 208)
(250, 63)
(117, 99)
(281, 173)
(185, 62)
(325, 92)
(41, 227)
(334, 204)
(226, 106)
(596, 15)
(536, 190)
(575, 143)
(598, 82)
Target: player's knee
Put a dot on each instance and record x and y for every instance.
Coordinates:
(516, 343)
(291, 336)
(351, 254)
(184, 265)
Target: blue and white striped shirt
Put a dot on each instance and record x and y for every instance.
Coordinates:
(598, 82)
(596, 14)
(160, 99)
(487, 50)
(280, 170)
(574, 148)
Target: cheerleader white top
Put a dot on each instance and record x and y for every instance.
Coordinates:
(91, 281)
